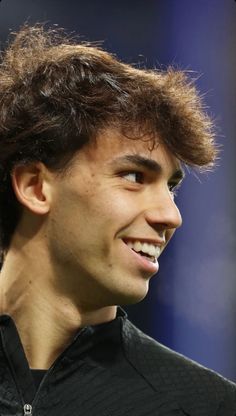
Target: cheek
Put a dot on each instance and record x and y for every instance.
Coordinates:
(110, 205)
(92, 213)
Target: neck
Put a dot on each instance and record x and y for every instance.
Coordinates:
(46, 319)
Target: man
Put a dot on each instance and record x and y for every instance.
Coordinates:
(92, 151)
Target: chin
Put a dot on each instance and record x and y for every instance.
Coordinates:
(132, 296)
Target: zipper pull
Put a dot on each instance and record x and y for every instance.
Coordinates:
(27, 409)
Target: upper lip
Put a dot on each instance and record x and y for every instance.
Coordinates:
(155, 242)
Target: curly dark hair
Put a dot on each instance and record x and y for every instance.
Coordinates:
(57, 94)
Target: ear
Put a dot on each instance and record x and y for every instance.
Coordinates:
(32, 187)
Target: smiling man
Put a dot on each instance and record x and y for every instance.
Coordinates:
(92, 153)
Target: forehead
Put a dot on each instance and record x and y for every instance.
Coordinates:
(111, 148)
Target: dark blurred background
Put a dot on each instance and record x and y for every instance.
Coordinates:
(191, 304)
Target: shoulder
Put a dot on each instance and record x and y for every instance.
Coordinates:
(190, 383)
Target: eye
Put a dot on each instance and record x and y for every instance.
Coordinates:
(174, 187)
(136, 177)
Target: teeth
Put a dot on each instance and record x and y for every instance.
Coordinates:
(137, 246)
(150, 249)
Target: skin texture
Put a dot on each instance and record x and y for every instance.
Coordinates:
(68, 265)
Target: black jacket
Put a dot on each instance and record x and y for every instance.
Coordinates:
(111, 369)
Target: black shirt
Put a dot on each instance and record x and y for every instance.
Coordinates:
(110, 369)
(37, 376)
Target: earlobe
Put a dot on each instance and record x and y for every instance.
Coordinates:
(31, 187)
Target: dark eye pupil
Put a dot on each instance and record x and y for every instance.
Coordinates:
(139, 176)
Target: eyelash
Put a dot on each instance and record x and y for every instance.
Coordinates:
(173, 188)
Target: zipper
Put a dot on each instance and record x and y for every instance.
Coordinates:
(54, 365)
(28, 408)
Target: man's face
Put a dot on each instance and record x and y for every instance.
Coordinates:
(110, 219)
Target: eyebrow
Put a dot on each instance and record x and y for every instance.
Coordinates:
(149, 164)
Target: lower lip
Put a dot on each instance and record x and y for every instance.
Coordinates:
(149, 266)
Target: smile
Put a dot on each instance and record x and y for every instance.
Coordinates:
(151, 251)
(145, 253)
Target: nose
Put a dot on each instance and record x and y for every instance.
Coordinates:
(163, 211)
